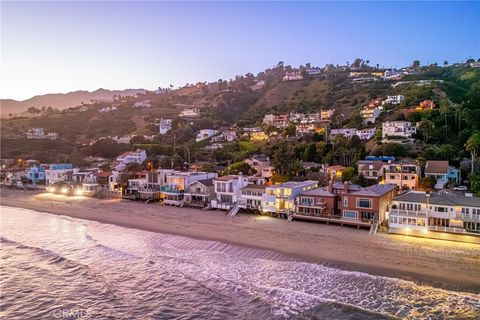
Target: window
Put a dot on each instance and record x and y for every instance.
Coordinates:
(350, 214)
(364, 203)
(345, 202)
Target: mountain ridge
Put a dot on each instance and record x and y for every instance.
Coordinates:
(61, 100)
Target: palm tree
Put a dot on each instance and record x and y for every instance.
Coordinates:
(444, 104)
(473, 146)
(427, 130)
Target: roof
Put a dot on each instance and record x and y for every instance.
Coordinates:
(351, 186)
(440, 198)
(226, 178)
(322, 192)
(377, 164)
(103, 174)
(376, 190)
(336, 167)
(205, 182)
(293, 184)
(436, 166)
(255, 186)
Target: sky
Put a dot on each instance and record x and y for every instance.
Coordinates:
(54, 47)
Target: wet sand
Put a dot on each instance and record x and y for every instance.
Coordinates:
(445, 264)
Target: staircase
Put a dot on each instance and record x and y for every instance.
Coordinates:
(374, 228)
(234, 210)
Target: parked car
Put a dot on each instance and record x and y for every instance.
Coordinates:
(460, 188)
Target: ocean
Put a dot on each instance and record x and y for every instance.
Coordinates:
(57, 267)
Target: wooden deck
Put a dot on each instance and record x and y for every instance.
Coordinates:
(332, 219)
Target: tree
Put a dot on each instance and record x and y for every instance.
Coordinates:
(426, 128)
(474, 179)
(348, 173)
(310, 152)
(290, 130)
(473, 146)
(445, 63)
(444, 105)
(237, 167)
(427, 183)
(282, 158)
(416, 64)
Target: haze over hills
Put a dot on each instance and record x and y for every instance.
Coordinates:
(61, 100)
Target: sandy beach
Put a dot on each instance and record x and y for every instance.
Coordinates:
(439, 263)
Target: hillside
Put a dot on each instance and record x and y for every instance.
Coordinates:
(243, 102)
(60, 100)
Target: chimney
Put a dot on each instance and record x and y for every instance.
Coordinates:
(330, 186)
(345, 187)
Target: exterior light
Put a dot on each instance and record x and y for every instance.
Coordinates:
(64, 190)
(78, 192)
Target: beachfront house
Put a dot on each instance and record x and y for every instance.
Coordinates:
(442, 172)
(228, 191)
(58, 172)
(251, 197)
(280, 198)
(317, 202)
(199, 193)
(35, 174)
(367, 205)
(108, 181)
(177, 182)
(426, 214)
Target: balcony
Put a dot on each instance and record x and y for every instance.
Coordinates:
(311, 204)
(468, 217)
(171, 190)
(408, 213)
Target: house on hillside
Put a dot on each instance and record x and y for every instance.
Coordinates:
(39, 133)
(346, 132)
(370, 169)
(143, 104)
(405, 175)
(190, 112)
(107, 109)
(370, 114)
(292, 76)
(206, 134)
(138, 156)
(442, 172)
(280, 121)
(397, 130)
(426, 105)
(393, 99)
(164, 125)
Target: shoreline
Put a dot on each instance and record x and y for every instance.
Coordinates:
(442, 264)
